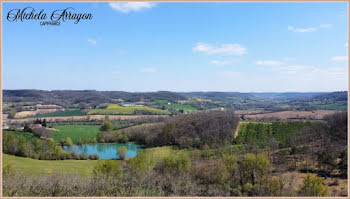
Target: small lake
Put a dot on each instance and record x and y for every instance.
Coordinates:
(105, 151)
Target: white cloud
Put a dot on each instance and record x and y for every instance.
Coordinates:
(268, 63)
(339, 58)
(309, 29)
(221, 63)
(127, 7)
(308, 72)
(223, 49)
(293, 29)
(148, 70)
(326, 25)
(92, 41)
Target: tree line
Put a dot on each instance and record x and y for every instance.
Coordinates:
(174, 175)
(41, 149)
(211, 129)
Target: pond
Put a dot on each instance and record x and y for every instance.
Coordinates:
(105, 151)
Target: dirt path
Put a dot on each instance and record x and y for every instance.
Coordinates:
(237, 130)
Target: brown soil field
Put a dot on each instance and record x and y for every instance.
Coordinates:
(284, 115)
(85, 118)
(36, 112)
(249, 112)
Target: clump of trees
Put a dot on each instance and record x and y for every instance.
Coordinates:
(107, 126)
(66, 142)
(214, 129)
(86, 140)
(175, 175)
(42, 149)
(313, 186)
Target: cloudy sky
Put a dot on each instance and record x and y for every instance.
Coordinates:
(245, 47)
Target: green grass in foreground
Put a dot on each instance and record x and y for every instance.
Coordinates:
(46, 167)
(67, 113)
(31, 166)
(75, 132)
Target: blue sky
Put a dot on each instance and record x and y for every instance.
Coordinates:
(245, 47)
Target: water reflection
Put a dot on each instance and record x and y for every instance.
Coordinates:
(105, 151)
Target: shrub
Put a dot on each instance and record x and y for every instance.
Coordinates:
(142, 162)
(177, 163)
(107, 126)
(343, 164)
(83, 157)
(230, 162)
(7, 170)
(313, 186)
(94, 157)
(62, 142)
(107, 168)
(122, 152)
(69, 141)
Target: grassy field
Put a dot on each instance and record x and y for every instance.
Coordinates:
(83, 167)
(184, 107)
(75, 132)
(46, 167)
(333, 106)
(115, 109)
(70, 112)
(4, 106)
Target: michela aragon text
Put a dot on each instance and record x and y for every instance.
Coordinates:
(61, 15)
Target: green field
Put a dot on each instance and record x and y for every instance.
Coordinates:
(27, 135)
(177, 107)
(115, 109)
(67, 113)
(75, 132)
(4, 106)
(47, 167)
(333, 106)
(82, 167)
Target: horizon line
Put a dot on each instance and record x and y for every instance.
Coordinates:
(178, 91)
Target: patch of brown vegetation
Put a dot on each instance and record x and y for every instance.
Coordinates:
(284, 115)
(249, 112)
(293, 180)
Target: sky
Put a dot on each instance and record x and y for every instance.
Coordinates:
(147, 46)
